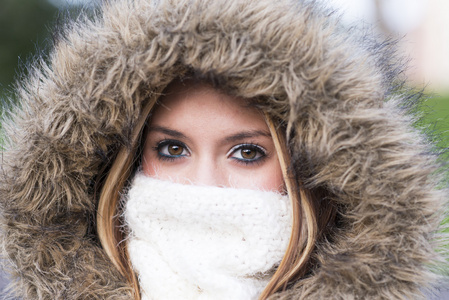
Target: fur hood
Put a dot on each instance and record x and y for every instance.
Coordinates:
(337, 91)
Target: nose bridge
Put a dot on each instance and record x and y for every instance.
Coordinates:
(206, 171)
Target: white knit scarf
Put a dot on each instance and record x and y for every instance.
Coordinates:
(204, 242)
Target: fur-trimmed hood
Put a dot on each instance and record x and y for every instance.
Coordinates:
(335, 89)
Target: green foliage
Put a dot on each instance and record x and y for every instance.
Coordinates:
(24, 28)
(435, 122)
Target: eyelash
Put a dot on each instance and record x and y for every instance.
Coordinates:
(164, 143)
(250, 146)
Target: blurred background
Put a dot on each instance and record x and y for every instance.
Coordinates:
(422, 27)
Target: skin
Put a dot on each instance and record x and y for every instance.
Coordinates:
(199, 135)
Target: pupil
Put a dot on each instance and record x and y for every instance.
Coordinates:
(248, 153)
(175, 150)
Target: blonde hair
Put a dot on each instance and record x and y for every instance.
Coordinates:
(304, 205)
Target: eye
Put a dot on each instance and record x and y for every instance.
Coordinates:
(172, 149)
(247, 153)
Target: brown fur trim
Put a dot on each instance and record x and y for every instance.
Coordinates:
(333, 88)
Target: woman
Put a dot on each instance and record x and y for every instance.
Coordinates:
(218, 230)
(99, 122)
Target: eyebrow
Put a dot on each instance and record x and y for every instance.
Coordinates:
(168, 131)
(232, 138)
(246, 134)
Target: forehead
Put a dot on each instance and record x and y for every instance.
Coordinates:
(198, 105)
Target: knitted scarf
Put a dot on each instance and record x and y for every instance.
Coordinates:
(204, 242)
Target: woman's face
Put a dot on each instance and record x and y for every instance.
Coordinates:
(201, 136)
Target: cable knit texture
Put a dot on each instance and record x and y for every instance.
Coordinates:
(337, 91)
(204, 242)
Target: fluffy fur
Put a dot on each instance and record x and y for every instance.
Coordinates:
(334, 89)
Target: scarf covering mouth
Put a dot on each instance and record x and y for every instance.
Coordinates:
(204, 242)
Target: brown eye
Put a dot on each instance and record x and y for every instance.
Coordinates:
(175, 149)
(248, 153)
(172, 149)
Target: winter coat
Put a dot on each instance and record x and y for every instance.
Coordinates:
(338, 92)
